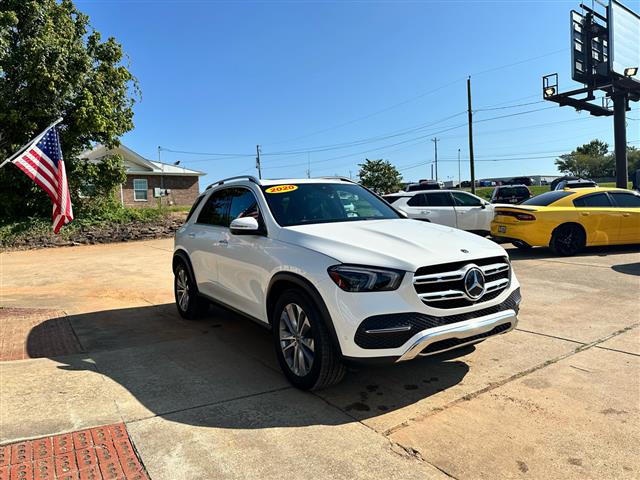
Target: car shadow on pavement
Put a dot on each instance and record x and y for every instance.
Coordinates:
(162, 365)
(540, 253)
(627, 268)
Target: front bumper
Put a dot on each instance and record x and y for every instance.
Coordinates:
(447, 337)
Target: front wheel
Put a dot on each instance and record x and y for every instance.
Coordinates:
(190, 305)
(567, 240)
(303, 345)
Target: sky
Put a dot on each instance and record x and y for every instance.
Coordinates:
(323, 85)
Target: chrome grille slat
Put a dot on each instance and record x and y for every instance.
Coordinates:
(440, 296)
(459, 274)
(442, 286)
(496, 285)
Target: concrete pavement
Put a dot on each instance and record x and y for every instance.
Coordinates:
(559, 397)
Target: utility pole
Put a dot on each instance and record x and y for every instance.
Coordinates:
(308, 165)
(620, 137)
(161, 173)
(258, 162)
(459, 177)
(435, 142)
(432, 171)
(470, 112)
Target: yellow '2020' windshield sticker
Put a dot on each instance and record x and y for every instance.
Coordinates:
(281, 189)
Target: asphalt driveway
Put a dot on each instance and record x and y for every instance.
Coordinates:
(559, 397)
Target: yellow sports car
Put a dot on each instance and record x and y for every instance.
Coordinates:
(568, 220)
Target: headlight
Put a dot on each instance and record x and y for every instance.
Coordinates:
(365, 279)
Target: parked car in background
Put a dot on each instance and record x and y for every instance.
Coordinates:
(424, 185)
(453, 208)
(577, 183)
(569, 220)
(510, 194)
(528, 181)
(555, 182)
(338, 275)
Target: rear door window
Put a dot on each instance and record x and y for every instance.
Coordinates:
(626, 200)
(439, 199)
(194, 207)
(597, 200)
(215, 210)
(417, 201)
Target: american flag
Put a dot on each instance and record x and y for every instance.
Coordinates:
(42, 162)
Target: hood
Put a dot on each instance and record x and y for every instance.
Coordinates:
(403, 243)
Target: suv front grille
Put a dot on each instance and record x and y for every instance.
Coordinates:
(442, 286)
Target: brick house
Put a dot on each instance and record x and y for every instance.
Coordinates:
(147, 179)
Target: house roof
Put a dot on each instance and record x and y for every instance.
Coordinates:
(136, 163)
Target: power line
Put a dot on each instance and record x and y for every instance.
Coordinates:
(416, 97)
(508, 106)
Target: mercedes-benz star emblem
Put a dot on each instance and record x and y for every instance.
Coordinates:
(474, 283)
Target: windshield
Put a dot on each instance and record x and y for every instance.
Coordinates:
(305, 203)
(547, 198)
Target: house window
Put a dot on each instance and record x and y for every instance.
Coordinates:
(140, 189)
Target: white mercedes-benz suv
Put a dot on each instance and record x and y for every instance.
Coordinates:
(339, 275)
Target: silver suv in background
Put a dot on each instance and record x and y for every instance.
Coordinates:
(453, 208)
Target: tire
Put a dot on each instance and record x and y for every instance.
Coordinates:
(189, 303)
(520, 245)
(567, 240)
(305, 351)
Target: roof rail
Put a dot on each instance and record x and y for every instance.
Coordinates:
(337, 177)
(251, 178)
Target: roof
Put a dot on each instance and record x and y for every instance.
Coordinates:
(594, 190)
(136, 163)
(285, 181)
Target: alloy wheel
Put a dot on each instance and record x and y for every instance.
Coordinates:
(182, 289)
(296, 341)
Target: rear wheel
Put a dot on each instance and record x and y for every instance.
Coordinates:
(303, 345)
(567, 240)
(190, 305)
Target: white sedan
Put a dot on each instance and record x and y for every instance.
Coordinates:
(453, 208)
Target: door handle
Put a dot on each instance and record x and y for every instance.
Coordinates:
(191, 235)
(585, 214)
(224, 243)
(426, 211)
(626, 214)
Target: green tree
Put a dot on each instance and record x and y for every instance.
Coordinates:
(589, 160)
(54, 64)
(380, 176)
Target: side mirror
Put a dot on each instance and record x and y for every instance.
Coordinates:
(483, 205)
(245, 226)
(403, 213)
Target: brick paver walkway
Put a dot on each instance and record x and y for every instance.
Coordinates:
(102, 453)
(34, 333)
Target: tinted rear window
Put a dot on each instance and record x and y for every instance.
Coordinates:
(626, 199)
(193, 208)
(547, 198)
(596, 200)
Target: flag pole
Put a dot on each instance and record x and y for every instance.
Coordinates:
(35, 140)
